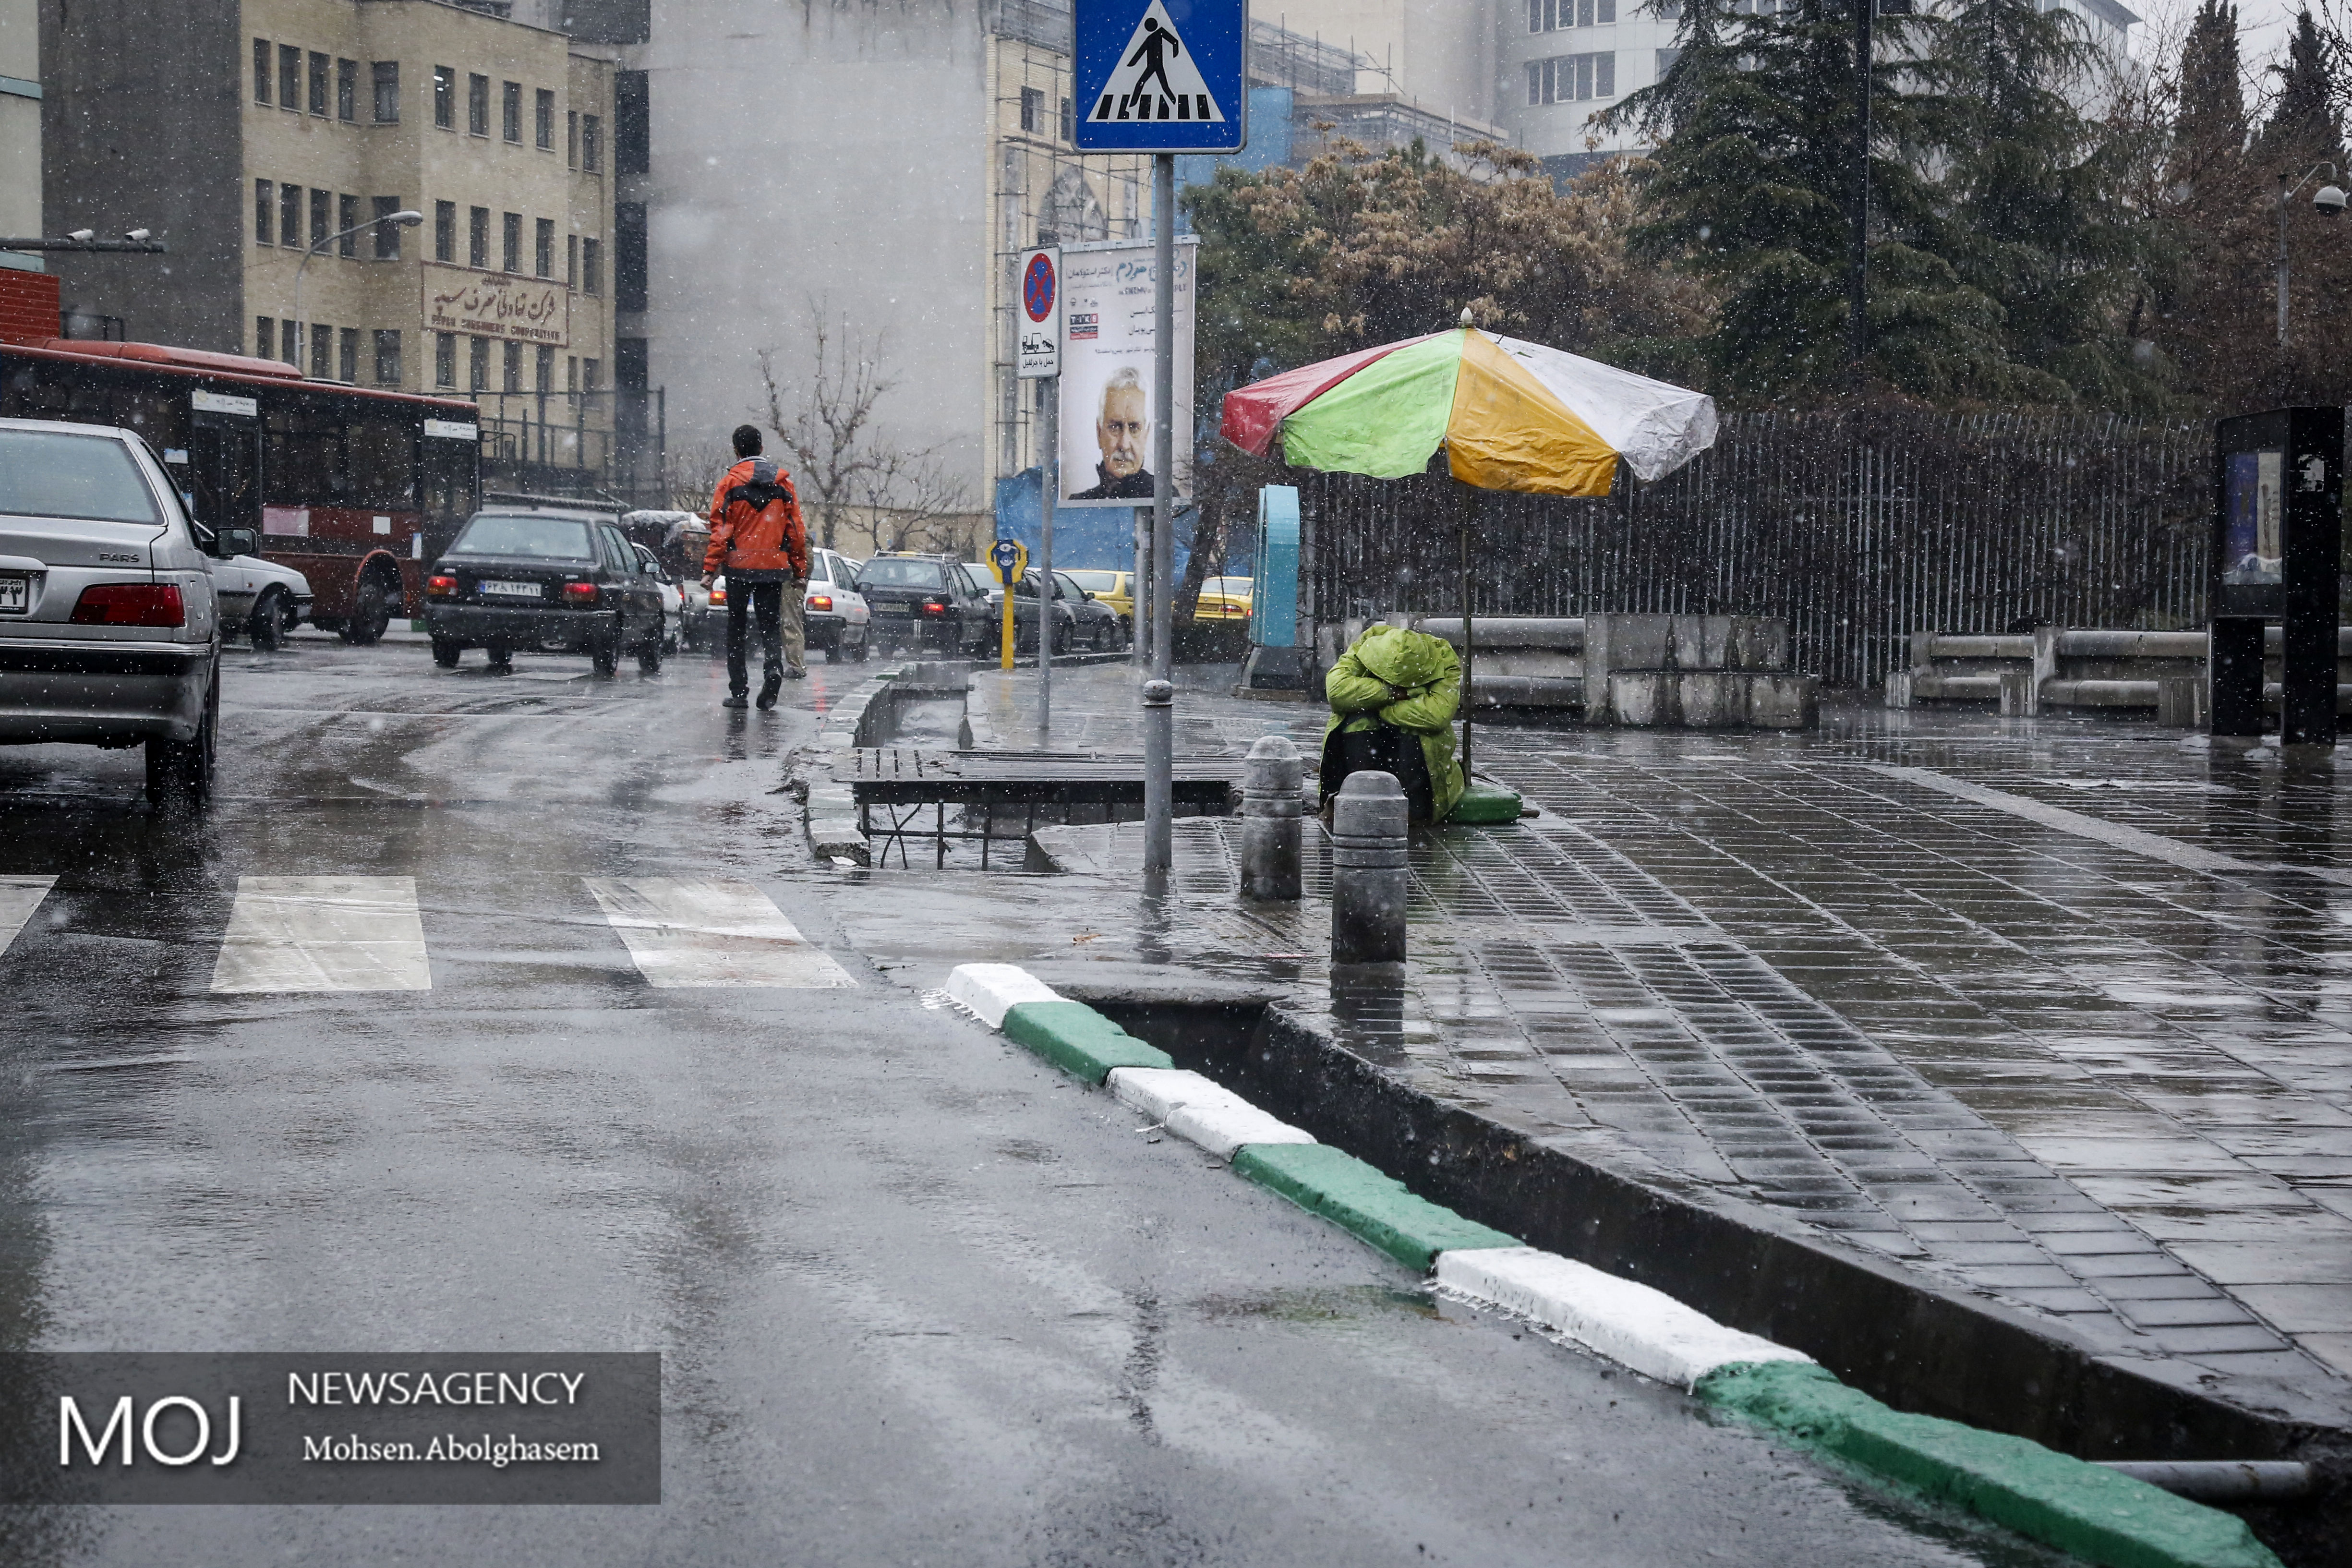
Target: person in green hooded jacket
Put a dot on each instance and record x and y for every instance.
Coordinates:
(1393, 696)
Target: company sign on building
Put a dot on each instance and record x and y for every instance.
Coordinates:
(497, 305)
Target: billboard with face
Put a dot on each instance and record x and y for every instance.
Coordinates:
(1107, 413)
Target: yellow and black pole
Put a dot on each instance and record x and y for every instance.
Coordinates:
(1010, 558)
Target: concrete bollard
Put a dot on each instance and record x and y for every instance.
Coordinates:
(1271, 811)
(1368, 869)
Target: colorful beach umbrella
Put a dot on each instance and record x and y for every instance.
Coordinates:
(1509, 415)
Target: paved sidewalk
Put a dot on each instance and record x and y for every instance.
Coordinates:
(2059, 1011)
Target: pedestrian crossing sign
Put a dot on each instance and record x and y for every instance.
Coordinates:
(1161, 76)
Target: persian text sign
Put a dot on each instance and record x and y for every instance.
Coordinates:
(497, 305)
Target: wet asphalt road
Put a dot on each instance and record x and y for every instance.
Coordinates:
(921, 1299)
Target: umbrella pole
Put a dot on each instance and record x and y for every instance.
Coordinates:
(1465, 498)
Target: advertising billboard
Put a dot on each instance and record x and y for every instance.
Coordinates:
(1106, 342)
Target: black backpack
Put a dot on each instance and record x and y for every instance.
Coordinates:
(763, 489)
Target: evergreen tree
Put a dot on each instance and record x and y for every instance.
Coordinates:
(2304, 127)
(2211, 121)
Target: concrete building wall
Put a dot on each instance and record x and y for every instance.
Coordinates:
(807, 157)
(20, 123)
(145, 135)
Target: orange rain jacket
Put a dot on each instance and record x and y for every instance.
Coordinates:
(753, 541)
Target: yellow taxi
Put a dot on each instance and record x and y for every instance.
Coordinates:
(1116, 589)
(1223, 599)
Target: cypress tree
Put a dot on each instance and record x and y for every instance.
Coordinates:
(2304, 127)
(2211, 118)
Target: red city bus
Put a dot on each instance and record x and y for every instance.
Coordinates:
(357, 489)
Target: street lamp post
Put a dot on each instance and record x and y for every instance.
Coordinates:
(406, 219)
(2329, 199)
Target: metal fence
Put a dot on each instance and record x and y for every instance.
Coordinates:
(611, 443)
(1856, 529)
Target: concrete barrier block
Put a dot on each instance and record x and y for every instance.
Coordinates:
(1777, 701)
(1642, 699)
(2180, 702)
(1199, 1111)
(839, 839)
(1638, 642)
(2020, 694)
(1701, 642)
(991, 990)
(1898, 688)
(1712, 699)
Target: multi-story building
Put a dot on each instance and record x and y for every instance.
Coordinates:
(270, 144)
(20, 124)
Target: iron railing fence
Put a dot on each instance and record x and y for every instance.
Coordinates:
(612, 441)
(1858, 530)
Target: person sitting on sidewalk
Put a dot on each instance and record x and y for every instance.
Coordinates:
(1393, 695)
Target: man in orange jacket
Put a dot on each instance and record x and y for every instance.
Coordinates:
(757, 541)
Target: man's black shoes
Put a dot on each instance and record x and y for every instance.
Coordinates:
(737, 699)
(768, 686)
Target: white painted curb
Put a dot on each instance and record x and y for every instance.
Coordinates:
(1201, 1110)
(1647, 1330)
(991, 990)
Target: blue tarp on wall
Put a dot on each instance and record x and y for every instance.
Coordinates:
(1085, 538)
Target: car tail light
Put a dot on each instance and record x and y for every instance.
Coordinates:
(440, 587)
(580, 593)
(821, 602)
(717, 595)
(130, 604)
(935, 607)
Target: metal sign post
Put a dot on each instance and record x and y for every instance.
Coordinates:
(1041, 359)
(1144, 85)
(1010, 558)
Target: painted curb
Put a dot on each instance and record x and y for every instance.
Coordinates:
(2096, 1513)
(1079, 1040)
(1201, 1110)
(1375, 1208)
(991, 989)
(1645, 1329)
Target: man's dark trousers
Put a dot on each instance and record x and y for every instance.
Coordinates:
(765, 601)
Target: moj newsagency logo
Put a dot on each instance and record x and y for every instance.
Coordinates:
(286, 1429)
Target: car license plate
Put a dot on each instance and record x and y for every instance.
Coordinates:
(889, 609)
(512, 590)
(16, 595)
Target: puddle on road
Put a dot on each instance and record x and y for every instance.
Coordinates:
(1338, 1304)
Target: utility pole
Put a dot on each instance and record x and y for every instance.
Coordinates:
(1159, 693)
(1858, 271)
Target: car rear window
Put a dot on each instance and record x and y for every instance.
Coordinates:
(542, 538)
(1095, 581)
(56, 473)
(903, 573)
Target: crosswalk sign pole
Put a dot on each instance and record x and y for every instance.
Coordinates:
(1159, 691)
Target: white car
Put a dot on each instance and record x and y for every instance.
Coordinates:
(259, 597)
(672, 598)
(835, 615)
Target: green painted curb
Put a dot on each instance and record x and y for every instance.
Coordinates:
(2095, 1513)
(1079, 1040)
(1485, 805)
(1343, 1189)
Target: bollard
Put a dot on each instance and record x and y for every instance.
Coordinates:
(1368, 871)
(1271, 810)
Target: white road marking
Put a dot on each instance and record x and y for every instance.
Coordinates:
(324, 933)
(19, 897)
(690, 932)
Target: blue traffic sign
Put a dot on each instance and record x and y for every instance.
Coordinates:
(1162, 75)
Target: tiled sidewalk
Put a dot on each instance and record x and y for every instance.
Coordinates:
(2083, 1079)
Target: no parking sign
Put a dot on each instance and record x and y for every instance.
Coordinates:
(1039, 352)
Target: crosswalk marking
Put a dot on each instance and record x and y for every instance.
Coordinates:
(19, 897)
(324, 933)
(691, 931)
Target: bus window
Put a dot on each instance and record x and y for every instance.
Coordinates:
(303, 458)
(382, 454)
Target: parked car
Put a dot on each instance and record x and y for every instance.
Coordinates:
(1223, 599)
(1115, 589)
(110, 628)
(1024, 612)
(544, 578)
(672, 598)
(1095, 625)
(261, 598)
(705, 627)
(927, 602)
(834, 614)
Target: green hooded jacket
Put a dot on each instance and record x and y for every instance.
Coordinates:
(1409, 679)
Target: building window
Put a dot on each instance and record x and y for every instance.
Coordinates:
(322, 215)
(347, 355)
(542, 123)
(288, 348)
(1567, 78)
(631, 366)
(477, 364)
(543, 250)
(264, 205)
(387, 91)
(1066, 125)
(445, 231)
(592, 266)
(289, 215)
(572, 261)
(348, 227)
(477, 237)
(592, 144)
(289, 78)
(478, 105)
(629, 256)
(1544, 16)
(261, 70)
(319, 83)
(444, 359)
(444, 98)
(1033, 109)
(633, 123)
(347, 91)
(546, 368)
(387, 357)
(572, 373)
(571, 139)
(322, 351)
(511, 110)
(387, 233)
(510, 233)
(588, 371)
(265, 335)
(1667, 58)
(510, 371)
